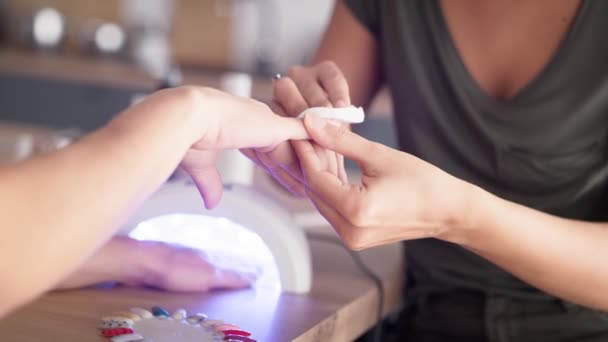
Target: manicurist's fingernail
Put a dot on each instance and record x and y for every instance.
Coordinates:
(341, 103)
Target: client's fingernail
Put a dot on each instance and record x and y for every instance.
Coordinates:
(315, 122)
(276, 77)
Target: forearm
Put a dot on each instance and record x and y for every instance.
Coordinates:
(563, 257)
(345, 35)
(58, 208)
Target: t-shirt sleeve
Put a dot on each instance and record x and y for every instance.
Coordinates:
(366, 11)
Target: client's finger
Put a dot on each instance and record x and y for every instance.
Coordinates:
(209, 183)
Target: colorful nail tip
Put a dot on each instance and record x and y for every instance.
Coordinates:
(116, 332)
(225, 326)
(197, 318)
(157, 311)
(123, 326)
(238, 338)
(127, 314)
(236, 332)
(179, 314)
(211, 322)
(143, 313)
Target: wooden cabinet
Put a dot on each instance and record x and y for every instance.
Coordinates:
(201, 30)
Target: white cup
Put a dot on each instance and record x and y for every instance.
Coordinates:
(234, 167)
(236, 83)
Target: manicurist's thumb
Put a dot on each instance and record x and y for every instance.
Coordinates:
(339, 138)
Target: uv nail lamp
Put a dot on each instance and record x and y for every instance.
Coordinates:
(242, 205)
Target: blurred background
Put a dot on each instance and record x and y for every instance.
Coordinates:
(70, 64)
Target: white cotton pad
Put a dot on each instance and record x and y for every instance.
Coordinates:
(347, 114)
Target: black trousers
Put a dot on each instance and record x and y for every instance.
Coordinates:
(469, 316)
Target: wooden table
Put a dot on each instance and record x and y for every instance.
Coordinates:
(341, 306)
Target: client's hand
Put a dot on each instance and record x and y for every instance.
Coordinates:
(155, 264)
(232, 123)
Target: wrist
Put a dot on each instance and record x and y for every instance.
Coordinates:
(176, 114)
(466, 223)
(195, 117)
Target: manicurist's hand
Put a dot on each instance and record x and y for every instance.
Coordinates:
(400, 197)
(322, 85)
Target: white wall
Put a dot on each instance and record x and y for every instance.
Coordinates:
(297, 28)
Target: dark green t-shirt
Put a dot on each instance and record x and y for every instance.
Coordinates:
(544, 148)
